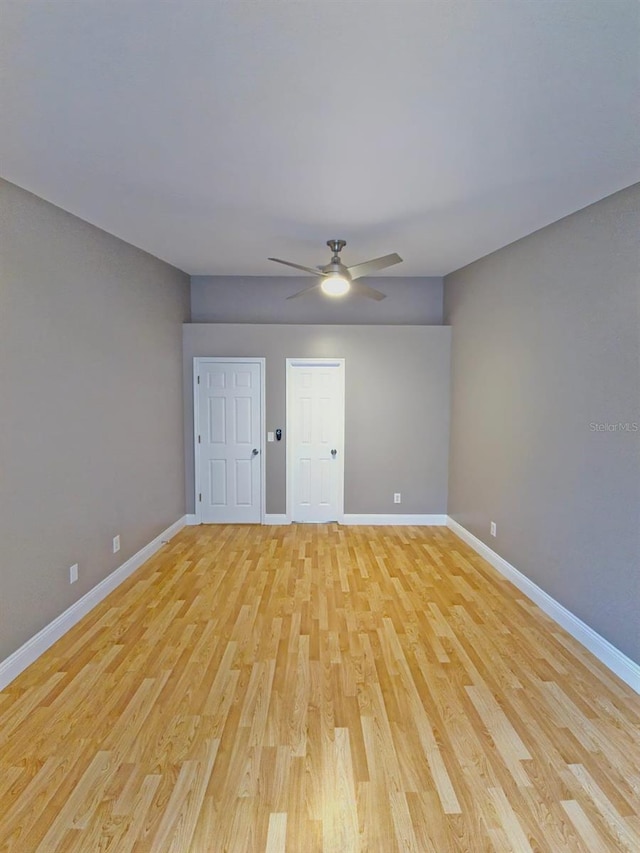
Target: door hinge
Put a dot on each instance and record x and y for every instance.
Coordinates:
(200, 497)
(198, 380)
(199, 440)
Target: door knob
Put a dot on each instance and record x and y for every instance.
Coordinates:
(255, 451)
(333, 453)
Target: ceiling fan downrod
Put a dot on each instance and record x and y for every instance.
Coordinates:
(336, 247)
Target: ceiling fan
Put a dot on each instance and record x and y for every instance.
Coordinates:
(338, 279)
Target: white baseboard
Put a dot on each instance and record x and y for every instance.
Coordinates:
(191, 519)
(394, 518)
(276, 518)
(40, 642)
(608, 654)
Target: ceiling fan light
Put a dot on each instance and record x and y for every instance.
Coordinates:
(335, 285)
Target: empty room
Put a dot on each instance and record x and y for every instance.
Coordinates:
(319, 426)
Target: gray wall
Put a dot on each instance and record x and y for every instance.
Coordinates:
(91, 432)
(263, 299)
(397, 406)
(546, 343)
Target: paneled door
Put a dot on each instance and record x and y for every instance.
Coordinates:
(315, 426)
(228, 441)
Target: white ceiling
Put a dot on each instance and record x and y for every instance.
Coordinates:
(213, 134)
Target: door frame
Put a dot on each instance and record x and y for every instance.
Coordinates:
(197, 362)
(313, 362)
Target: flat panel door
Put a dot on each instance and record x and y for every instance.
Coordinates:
(316, 432)
(229, 445)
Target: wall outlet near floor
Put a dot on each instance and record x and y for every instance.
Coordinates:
(396, 497)
(73, 573)
(116, 544)
(493, 528)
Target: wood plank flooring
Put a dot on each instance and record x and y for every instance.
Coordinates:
(318, 688)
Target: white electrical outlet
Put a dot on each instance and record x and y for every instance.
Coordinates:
(396, 497)
(116, 544)
(493, 528)
(73, 573)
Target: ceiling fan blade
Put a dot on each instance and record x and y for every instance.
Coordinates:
(362, 289)
(306, 290)
(297, 266)
(368, 267)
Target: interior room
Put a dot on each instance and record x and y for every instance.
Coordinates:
(287, 570)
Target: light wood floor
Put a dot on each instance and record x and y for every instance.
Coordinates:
(318, 688)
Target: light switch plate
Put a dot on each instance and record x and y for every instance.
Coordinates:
(269, 436)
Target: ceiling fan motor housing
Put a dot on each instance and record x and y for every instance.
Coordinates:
(336, 268)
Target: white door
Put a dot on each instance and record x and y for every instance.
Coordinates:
(315, 429)
(228, 435)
